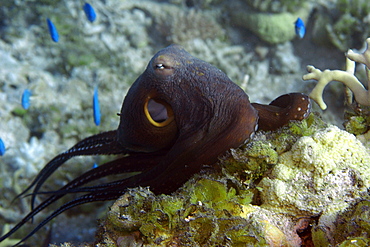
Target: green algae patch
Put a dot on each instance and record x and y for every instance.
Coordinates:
(357, 124)
(354, 222)
(19, 112)
(205, 213)
(208, 191)
(308, 126)
(251, 162)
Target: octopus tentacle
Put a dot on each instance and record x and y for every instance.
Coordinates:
(282, 110)
(153, 177)
(122, 165)
(132, 163)
(103, 143)
(92, 197)
(156, 176)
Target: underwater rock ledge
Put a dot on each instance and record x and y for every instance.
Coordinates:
(266, 193)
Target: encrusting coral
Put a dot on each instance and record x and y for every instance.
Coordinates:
(347, 77)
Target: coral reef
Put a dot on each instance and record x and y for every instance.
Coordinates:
(8, 242)
(362, 96)
(179, 26)
(357, 121)
(342, 24)
(112, 52)
(311, 168)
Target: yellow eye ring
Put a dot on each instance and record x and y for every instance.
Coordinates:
(158, 112)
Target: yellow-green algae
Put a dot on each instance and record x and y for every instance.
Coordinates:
(307, 169)
(358, 123)
(212, 214)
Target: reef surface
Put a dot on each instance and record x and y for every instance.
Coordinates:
(279, 184)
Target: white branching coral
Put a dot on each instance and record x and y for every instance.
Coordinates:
(347, 77)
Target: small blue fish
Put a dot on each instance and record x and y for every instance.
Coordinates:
(95, 165)
(2, 147)
(89, 12)
(300, 29)
(26, 99)
(52, 30)
(96, 107)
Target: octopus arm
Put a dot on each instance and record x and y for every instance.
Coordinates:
(282, 110)
(91, 197)
(113, 190)
(103, 143)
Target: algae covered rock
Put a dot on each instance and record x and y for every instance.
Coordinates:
(358, 123)
(320, 173)
(206, 213)
(311, 173)
(348, 228)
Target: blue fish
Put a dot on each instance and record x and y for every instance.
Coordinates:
(96, 107)
(52, 30)
(89, 12)
(26, 99)
(2, 147)
(300, 29)
(95, 165)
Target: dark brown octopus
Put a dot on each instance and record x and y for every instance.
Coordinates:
(179, 115)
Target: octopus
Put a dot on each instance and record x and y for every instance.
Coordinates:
(179, 115)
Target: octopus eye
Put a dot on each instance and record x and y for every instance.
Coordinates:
(159, 66)
(158, 112)
(164, 65)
